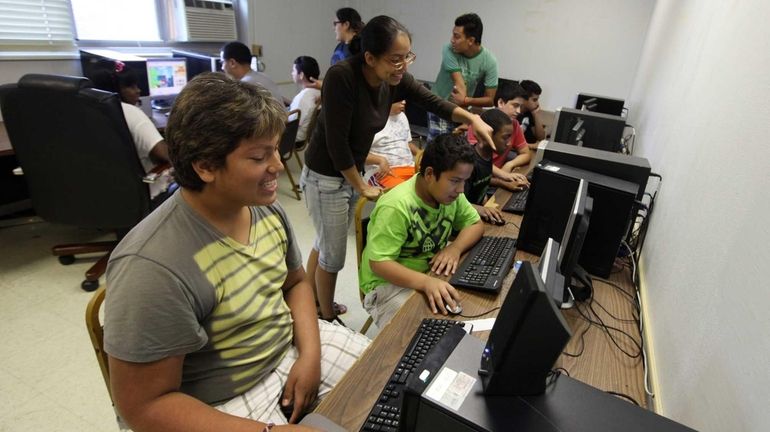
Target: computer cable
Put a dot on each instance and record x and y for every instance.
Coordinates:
(607, 328)
(560, 370)
(553, 374)
(634, 320)
(517, 227)
(582, 344)
(624, 396)
(641, 321)
(622, 290)
(481, 314)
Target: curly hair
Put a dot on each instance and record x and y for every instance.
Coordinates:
(210, 118)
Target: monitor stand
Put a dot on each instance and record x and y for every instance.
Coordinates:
(583, 289)
(161, 105)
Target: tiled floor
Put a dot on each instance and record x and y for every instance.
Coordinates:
(49, 377)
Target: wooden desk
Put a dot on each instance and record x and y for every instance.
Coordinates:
(601, 364)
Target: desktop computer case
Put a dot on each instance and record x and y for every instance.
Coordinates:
(549, 204)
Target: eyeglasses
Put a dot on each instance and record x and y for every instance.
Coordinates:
(408, 59)
(334, 23)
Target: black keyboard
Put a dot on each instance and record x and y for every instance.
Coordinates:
(517, 202)
(385, 415)
(486, 265)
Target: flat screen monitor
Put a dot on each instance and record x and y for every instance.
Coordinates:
(548, 267)
(577, 284)
(198, 63)
(527, 338)
(166, 77)
(589, 129)
(600, 104)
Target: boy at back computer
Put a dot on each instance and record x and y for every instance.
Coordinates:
(476, 187)
(510, 98)
(409, 230)
(529, 118)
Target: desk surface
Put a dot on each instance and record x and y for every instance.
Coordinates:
(600, 363)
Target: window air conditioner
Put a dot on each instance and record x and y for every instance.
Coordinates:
(200, 20)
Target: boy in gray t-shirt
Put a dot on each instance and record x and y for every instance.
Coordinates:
(209, 324)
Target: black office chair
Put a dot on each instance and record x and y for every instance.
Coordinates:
(78, 158)
(287, 148)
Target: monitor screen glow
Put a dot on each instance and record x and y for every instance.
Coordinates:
(166, 77)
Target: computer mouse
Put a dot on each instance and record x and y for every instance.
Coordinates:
(500, 222)
(457, 310)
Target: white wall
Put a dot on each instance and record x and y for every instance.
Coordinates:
(12, 70)
(567, 46)
(702, 104)
(288, 29)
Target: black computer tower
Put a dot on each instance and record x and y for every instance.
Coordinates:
(625, 167)
(549, 203)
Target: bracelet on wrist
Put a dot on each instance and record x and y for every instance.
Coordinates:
(268, 426)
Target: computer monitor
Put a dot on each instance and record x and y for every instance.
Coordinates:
(589, 129)
(625, 167)
(198, 63)
(528, 336)
(166, 77)
(600, 104)
(576, 284)
(548, 267)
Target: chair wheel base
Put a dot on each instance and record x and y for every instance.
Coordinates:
(89, 285)
(67, 259)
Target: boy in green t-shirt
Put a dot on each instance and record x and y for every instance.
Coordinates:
(409, 232)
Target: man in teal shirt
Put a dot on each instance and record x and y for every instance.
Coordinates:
(464, 63)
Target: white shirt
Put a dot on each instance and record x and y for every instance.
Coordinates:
(393, 141)
(305, 101)
(145, 136)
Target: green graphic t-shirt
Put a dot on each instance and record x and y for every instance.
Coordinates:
(404, 229)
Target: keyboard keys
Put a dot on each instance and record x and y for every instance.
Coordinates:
(385, 414)
(486, 264)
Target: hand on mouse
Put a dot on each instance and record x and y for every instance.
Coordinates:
(490, 214)
(439, 294)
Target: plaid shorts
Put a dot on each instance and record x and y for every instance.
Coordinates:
(438, 126)
(340, 348)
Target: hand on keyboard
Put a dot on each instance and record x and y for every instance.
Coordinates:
(445, 261)
(439, 293)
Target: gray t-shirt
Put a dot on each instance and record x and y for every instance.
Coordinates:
(254, 77)
(177, 286)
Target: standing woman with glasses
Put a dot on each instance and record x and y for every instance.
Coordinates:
(355, 104)
(346, 28)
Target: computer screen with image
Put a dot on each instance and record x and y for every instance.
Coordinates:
(166, 77)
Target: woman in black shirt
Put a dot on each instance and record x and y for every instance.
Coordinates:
(355, 105)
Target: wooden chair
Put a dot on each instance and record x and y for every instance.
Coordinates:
(96, 332)
(288, 146)
(361, 223)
